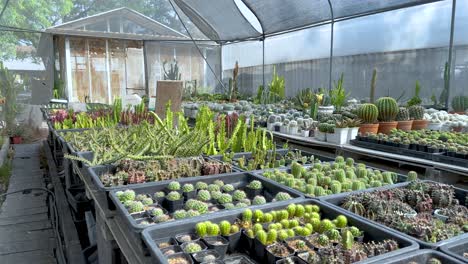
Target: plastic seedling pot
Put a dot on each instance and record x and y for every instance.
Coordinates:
(187, 237)
(251, 193)
(171, 250)
(259, 250)
(189, 195)
(273, 257)
(238, 259)
(206, 256)
(199, 242)
(290, 260)
(181, 255)
(173, 206)
(246, 242)
(440, 216)
(456, 249)
(164, 243)
(420, 256)
(298, 250)
(372, 232)
(217, 243)
(234, 240)
(336, 200)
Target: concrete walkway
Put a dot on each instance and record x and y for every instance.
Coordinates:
(26, 234)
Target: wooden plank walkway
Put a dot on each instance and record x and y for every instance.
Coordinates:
(26, 234)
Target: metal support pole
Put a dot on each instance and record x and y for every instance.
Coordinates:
(263, 62)
(451, 68)
(331, 45)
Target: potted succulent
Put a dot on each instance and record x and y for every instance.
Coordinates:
(16, 133)
(388, 110)
(321, 133)
(277, 126)
(188, 190)
(285, 127)
(417, 114)
(340, 133)
(174, 201)
(353, 125)
(217, 243)
(368, 113)
(404, 121)
(271, 122)
(253, 189)
(180, 258)
(460, 104)
(231, 233)
(292, 127)
(278, 251)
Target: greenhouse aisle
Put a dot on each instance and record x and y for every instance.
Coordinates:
(26, 234)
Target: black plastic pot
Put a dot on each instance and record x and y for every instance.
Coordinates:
(456, 249)
(251, 193)
(170, 241)
(171, 250)
(172, 206)
(181, 255)
(217, 243)
(460, 155)
(238, 259)
(310, 247)
(259, 250)
(272, 258)
(277, 128)
(246, 242)
(451, 153)
(404, 146)
(189, 195)
(288, 260)
(200, 257)
(420, 256)
(193, 238)
(234, 240)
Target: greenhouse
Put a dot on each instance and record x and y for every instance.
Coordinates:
(234, 131)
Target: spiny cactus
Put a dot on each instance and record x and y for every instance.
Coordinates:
(247, 215)
(173, 186)
(161, 218)
(192, 213)
(229, 206)
(358, 185)
(355, 231)
(180, 214)
(212, 229)
(347, 240)
(319, 191)
(412, 176)
(257, 216)
(296, 169)
(291, 209)
(214, 187)
(201, 207)
(282, 196)
(460, 103)
(204, 195)
(225, 198)
(368, 113)
(220, 183)
(336, 187)
(272, 236)
(201, 185)
(216, 195)
(323, 240)
(325, 225)
(354, 207)
(173, 196)
(188, 188)
(228, 188)
(416, 112)
(127, 195)
(258, 200)
(388, 109)
(403, 114)
(234, 229)
(387, 177)
(239, 195)
(282, 235)
(300, 210)
(135, 207)
(262, 237)
(147, 201)
(333, 234)
(255, 184)
(158, 195)
(192, 247)
(225, 228)
(341, 221)
(156, 212)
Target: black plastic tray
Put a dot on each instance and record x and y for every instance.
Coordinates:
(419, 256)
(456, 249)
(442, 158)
(371, 231)
(460, 194)
(376, 146)
(238, 180)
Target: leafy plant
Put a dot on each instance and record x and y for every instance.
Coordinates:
(338, 94)
(173, 72)
(415, 100)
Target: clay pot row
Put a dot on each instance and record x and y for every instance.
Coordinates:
(386, 127)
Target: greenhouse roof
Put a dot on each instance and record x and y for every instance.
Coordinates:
(121, 23)
(225, 20)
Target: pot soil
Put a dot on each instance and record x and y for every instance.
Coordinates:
(405, 125)
(420, 124)
(276, 252)
(369, 128)
(217, 243)
(386, 127)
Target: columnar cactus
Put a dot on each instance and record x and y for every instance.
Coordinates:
(336, 187)
(247, 215)
(460, 103)
(368, 113)
(347, 240)
(296, 169)
(225, 228)
(388, 109)
(416, 112)
(403, 114)
(262, 237)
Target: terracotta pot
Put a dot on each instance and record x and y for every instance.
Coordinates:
(371, 128)
(457, 129)
(386, 127)
(16, 140)
(405, 125)
(420, 124)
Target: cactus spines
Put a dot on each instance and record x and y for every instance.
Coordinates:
(258, 200)
(341, 221)
(416, 112)
(336, 188)
(212, 229)
(323, 240)
(147, 201)
(180, 214)
(282, 196)
(325, 225)
(192, 247)
(234, 229)
(135, 207)
(201, 185)
(354, 207)
(239, 195)
(460, 103)
(272, 236)
(158, 195)
(368, 113)
(216, 195)
(127, 195)
(412, 176)
(388, 109)
(319, 191)
(228, 188)
(262, 236)
(247, 215)
(204, 195)
(282, 235)
(403, 114)
(173, 186)
(173, 196)
(188, 187)
(347, 240)
(255, 185)
(296, 169)
(257, 216)
(291, 209)
(333, 235)
(213, 187)
(225, 198)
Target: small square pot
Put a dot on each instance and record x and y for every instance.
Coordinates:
(173, 206)
(181, 255)
(234, 242)
(206, 256)
(183, 238)
(272, 257)
(251, 193)
(217, 243)
(189, 195)
(202, 245)
(167, 251)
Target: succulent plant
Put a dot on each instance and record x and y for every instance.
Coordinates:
(147, 201)
(192, 247)
(201, 185)
(336, 188)
(127, 195)
(158, 195)
(216, 195)
(325, 225)
(255, 184)
(239, 195)
(180, 214)
(156, 211)
(173, 186)
(403, 114)
(262, 236)
(368, 113)
(173, 196)
(388, 109)
(225, 228)
(214, 187)
(212, 229)
(341, 221)
(354, 207)
(460, 103)
(272, 236)
(204, 195)
(257, 216)
(258, 200)
(347, 240)
(192, 213)
(416, 112)
(201, 207)
(135, 207)
(188, 187)
(220, 183)
(225, 198)
(282, 196)
(323, 240)
(229, 206)
(228, 188)
(247, 215)
(201, 229)
(161, 218)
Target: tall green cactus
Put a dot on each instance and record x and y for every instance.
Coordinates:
(368, 113)
(460, 103)
(388, 109)
(373, 85)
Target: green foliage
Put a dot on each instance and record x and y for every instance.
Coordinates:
(9, 88)
(275, 92)
(373, 86)
(444, 93)
(415, 100)
(338, 94)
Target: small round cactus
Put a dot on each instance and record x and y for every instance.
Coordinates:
(192, 213)
(212, 229)
(127, 195)
(272, 236)
(291, 208)
(220, 183)
(201, 207)
(173, 196)
(255, 185)
(188, 187)
(267, 218)
(334, 234)
(158, 195)
(355, 231)
(147, 201)
(282, 196)
(234, 229)
(214, 187)
(257, 216)
(325, 225)
(241, 205)
(258, 200)
(229, 206)
(225, 198)
(336, 188)
(228, 188)
(412, 176)
(201, 185)
(140, 197)
(135, 207)
(161, 218)
(216, 195)
(156, 212)
(388, 109)
(173, 186)
(296, 169)
(368, 113)
(262, 237)
(192, 247)
(201, 229)
(239, 195)
(247, 215)
(341, 221)
(180, 214)
(323, 240)
(204, 195)
(225, 228)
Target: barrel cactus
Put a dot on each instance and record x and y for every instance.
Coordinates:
(173, 186)
(192, 247)
(403, 114)
(368, 113)
(258, 200)
(282, 196)
(416, 112)
(336, 188)
(460, 103)
(412, 176)
(388, 109)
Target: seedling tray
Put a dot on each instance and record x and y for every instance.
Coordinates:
(81, 204)
(460, 194)
(371, 231)
(443, 158)
(238, 180)
(376, 146)
(420, 256)
(456, 249)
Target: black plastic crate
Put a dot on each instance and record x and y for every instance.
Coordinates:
(238, 180)
(420, 256)
(371, 231)
(443, 158)
(460, 194)
(456, 249)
